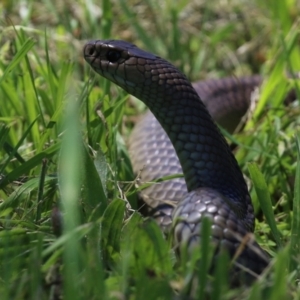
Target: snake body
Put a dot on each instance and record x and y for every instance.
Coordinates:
(215, 187)
(153, 155)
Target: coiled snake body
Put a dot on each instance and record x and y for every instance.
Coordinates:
(215, 186)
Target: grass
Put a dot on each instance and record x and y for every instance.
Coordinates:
(62, 143)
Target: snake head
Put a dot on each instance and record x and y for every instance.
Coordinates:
(142, 74)
(121, 62)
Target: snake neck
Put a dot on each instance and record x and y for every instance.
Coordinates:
(203, 152)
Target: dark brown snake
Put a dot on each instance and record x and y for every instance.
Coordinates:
(214, 186)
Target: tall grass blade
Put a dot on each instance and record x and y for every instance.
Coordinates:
(263, 195)
(295, 235)
(70, 167)
(28, 44)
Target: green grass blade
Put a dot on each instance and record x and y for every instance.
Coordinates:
(28, 44)
(111, 228)
(107, 19)
(295, 235)
(94, 189)
(41, 190)
(70, 183)
(143, 35)
(263, 195)
(26, 167)
(279, 290)
(206, 256)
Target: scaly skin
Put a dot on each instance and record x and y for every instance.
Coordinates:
(153, 156)
(214, 180)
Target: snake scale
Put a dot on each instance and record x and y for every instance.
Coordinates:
(214, 184)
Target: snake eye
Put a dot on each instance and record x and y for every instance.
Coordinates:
(113, 55)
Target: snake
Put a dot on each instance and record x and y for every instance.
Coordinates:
(227, 100)
(213, 186)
